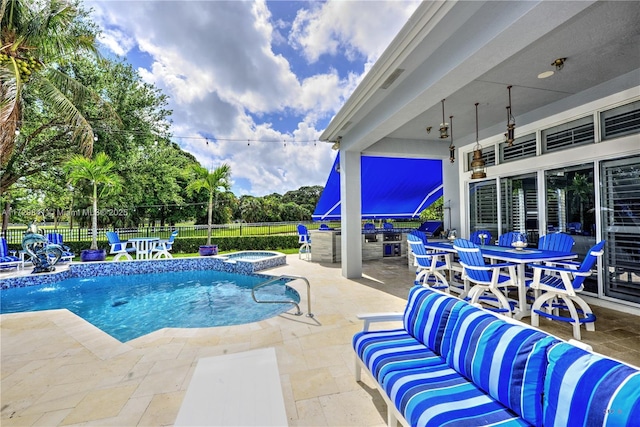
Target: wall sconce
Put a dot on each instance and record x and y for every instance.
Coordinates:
(452, 148)
(511, 122)
(477, 164)
(444, 126)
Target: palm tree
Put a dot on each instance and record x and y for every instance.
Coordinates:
(36, 38)
(98, 171)
(213, 182)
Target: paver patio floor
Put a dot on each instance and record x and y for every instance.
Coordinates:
(58, 369)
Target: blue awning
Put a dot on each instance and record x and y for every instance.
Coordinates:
(393, 188)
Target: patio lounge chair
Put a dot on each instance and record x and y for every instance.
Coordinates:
(118, 248)
(485, 277)
(6, 259)
(429, 264)
(305, 241)
(57, 239)
(163, 247)
(563, 283)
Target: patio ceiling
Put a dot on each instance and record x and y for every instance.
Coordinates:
(470, 51)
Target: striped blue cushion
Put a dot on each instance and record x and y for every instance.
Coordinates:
(439, 396)
(461, 336)
(427, 314)
(506, 361)
(386, 351)
(584, 389)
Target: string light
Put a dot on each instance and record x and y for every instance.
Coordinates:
(174, 137)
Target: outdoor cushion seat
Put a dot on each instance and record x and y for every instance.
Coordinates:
(57, 239)
(438, 395)
(6, 259)
(395, 350)
(582, 388)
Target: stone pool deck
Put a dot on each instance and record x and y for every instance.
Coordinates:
(59, 370)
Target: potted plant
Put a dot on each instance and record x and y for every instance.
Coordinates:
(213, 182)
(98, 172)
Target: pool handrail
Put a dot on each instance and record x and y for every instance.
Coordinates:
(285, 276)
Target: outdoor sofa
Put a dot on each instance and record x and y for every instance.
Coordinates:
(453, 363)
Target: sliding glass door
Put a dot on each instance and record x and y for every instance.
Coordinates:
(620, 218)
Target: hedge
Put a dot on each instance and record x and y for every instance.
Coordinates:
(191, 244)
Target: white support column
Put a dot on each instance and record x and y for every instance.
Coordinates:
(350, 209)
(452, 199)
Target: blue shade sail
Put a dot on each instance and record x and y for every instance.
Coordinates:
(391, 188)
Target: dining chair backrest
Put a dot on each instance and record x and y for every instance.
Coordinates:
(469, 254)
(4, 248)
(475, 237)
(303, 234)
(556, 242)
(387, 226)
(369, 226)
(507, 239)
(587, 263)
(172, 238)
(114, 241)
(417, 247)
(419, 234)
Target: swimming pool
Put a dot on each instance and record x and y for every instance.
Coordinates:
(129, 306)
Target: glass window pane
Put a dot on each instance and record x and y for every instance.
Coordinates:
(568, 135)
(571, 209)
(620, 193)
(519, 204)
(483, 207)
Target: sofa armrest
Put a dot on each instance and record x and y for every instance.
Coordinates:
(581, 345)
(379, 317)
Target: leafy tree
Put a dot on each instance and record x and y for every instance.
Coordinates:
(212, 182)
(36, 39)
(98, 171)
(433, 212)
(306, 197)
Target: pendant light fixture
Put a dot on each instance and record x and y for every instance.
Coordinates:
(511, 122)
(477, 164)
(444, 126)
(452, 148)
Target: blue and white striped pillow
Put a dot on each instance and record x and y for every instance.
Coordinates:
(507, 361)
(427, 314)
(585, 389)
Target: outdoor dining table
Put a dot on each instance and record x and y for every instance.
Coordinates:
(520, 257)
(144, 246)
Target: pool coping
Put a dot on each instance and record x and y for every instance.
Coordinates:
(111, 268)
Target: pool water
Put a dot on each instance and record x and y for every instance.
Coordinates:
(127, 307)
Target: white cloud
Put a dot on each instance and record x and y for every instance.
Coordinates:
(359, 27)
(214, 59)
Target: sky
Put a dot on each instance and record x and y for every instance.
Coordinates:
(253, 83)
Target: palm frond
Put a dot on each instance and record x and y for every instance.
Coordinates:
(82, 131)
